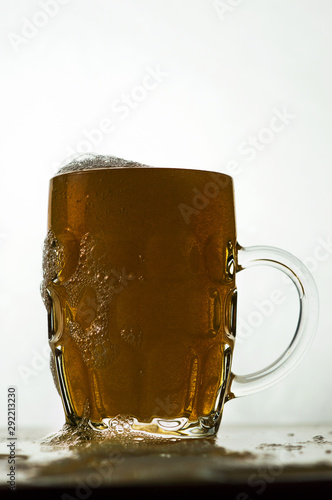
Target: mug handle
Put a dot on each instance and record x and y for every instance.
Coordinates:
(244, 385)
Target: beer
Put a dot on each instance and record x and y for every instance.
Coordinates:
(139, 286)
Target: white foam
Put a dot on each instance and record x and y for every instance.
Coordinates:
(92, 161)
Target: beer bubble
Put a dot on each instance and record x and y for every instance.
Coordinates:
(53, 263)
(121, 424)
(132, 335)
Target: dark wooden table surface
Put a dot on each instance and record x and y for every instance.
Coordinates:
(241, 463)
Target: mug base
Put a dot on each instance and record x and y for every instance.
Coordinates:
(159, 427)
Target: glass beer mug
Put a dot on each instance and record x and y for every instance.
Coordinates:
(139, 271)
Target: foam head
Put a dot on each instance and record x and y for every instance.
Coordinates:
(93, 161)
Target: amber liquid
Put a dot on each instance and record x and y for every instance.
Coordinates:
(140, 292)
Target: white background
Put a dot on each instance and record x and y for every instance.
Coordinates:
(222, 72)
